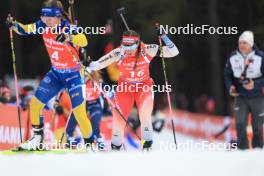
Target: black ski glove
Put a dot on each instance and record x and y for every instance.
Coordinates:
(61, 38)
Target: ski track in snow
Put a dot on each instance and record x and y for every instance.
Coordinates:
(158, 162)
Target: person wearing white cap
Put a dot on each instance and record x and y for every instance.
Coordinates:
(244, 78)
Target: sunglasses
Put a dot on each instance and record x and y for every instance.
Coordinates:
(129, 47)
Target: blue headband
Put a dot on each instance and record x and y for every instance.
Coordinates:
(51, 12)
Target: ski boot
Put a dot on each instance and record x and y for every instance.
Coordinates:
(36, 142)
(147, 145)
(115, 147)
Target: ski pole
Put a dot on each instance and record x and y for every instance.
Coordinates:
(166, 83)
(121, 12)
(16, 81)
(71, 12)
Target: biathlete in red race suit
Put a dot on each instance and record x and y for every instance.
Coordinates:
(133, 58)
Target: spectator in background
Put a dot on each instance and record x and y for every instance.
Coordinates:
(26, 94)
(181, 101)
(205, 104)
(5, 94)
(245, 81)
(210, 105)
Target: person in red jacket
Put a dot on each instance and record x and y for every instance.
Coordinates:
(133, 58)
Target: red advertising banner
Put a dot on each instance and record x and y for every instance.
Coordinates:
(191, 124)
(9, 126)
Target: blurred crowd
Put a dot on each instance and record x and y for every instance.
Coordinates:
(202, 104)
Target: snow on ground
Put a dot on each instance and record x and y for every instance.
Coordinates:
(182, 162)
(164, 141)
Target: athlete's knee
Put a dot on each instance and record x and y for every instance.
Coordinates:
(79, 109)
(35, 104)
